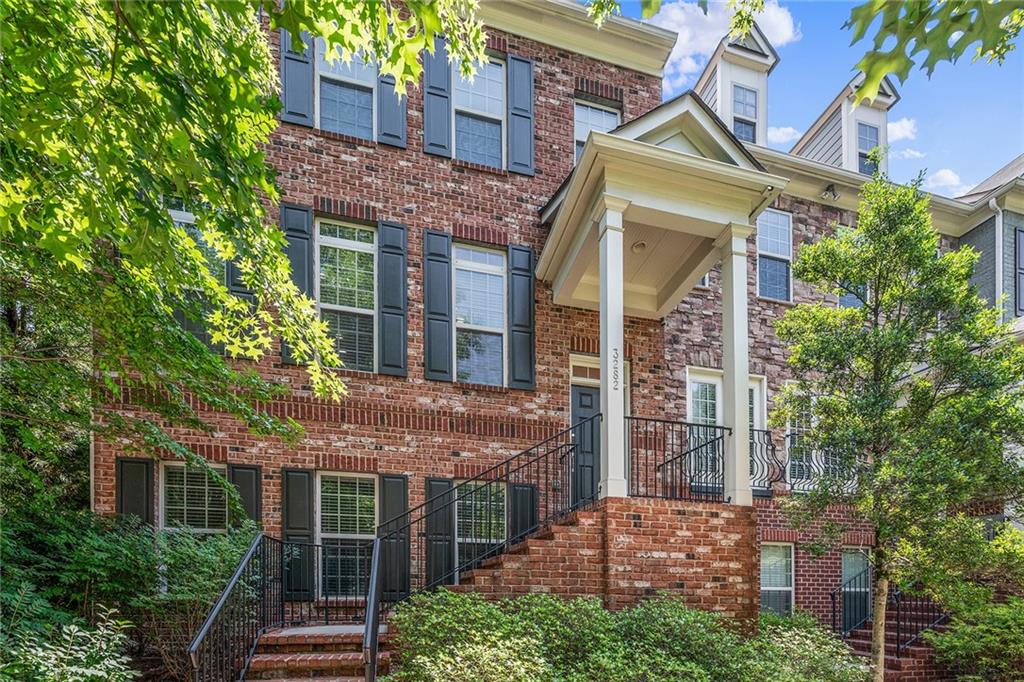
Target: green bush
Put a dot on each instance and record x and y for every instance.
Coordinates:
(984, 644)
(71, 653)
(452, 636)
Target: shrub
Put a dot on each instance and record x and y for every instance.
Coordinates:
(797, 649)
(984, 644)
(71, 653)
(452, 636)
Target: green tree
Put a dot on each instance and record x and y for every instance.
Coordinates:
(916, 395)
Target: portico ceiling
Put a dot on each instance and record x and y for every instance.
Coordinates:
(679, 179)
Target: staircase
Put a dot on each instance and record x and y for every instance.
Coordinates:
(915, 662)
(559, 558)
(326, 653)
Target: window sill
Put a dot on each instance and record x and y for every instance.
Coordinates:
(490, 388)
(777, 301)
(342, 137)
(469, 165)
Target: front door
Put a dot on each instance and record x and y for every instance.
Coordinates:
(586, 465)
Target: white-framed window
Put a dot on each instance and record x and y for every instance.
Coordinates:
(756, 403)
(590, 117)
(346, 525)
(744, 113)
(346, 292)
(480, 313)
(867, 139)
(190, 498)
(479, 115)
(798, 451)
(481, 514)
(705, 399)
(705, 281)
(346, 94)
(775, 255)
(777, 578)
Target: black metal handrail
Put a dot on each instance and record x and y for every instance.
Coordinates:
(225, 642)
(766, 468)
(676, 460)
(457, 528)
(915, 614)
(371, 631)
(851, 603)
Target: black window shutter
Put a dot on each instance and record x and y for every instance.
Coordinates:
(133, 487)
(394, 503)
(246, 478)
(520, 115)
(523, 510)
(391, 110)
(297, 493)
(440, 533)
(437, 306)
(296, 81)
(392, 304)
(297, 223)
(521, 337)
(1020, 271)
(437, 100)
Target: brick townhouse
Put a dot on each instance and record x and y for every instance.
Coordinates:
(554, 295)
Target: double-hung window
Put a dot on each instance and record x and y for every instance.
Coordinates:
(345, 94)
(590, 117)
(192, 499)
(480, 303)
(774, 255)
(867, 139)
(348, 522)
(347, 290)
(480, 516)
(480, 115)
(744, 113)
(777, 578)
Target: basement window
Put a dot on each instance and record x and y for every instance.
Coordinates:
(777, 579)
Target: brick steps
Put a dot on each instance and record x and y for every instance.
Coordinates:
(917, 661)
(323, 653)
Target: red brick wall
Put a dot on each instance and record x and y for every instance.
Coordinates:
(623, 550)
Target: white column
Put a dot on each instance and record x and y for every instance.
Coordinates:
(732, 245)
(613, 374)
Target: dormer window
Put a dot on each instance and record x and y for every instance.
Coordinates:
(744, 113)
(867, 139)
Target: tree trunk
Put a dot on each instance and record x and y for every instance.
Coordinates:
(880, 596)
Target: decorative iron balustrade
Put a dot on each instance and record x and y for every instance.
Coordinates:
(675, 460)
(279, 583)
(766, 468)
(808, 466)
(851, 603)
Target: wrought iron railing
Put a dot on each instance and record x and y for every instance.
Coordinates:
(766, 468)
(279, 583)
(915, 614)
(251, 603)
(459, 527)
(675, 460)
(809, 466)
(851, 603)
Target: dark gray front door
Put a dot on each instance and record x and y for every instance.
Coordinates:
(586, 467)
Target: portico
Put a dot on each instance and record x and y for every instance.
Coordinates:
(649, 209)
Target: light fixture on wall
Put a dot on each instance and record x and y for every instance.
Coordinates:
(639, 247)
(830, 193)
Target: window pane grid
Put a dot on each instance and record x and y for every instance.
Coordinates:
(704, 399)
(485, 94)
(480, 293)
(590, 118)
(867, 137)
(346, 109)
(477, 139)
(744, 102)
(193, 499)
(347, 506)
(775, 234)
(347, 278)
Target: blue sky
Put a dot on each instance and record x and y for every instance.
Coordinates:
(959, 126)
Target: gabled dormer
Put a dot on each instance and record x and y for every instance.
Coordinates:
(845, 133)
(735, 84)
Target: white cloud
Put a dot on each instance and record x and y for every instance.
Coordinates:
(945, 181)
(700, 33)
(908, 153)
(903, 129)
(783, 135)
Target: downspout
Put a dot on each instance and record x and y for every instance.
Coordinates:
(994, 205)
